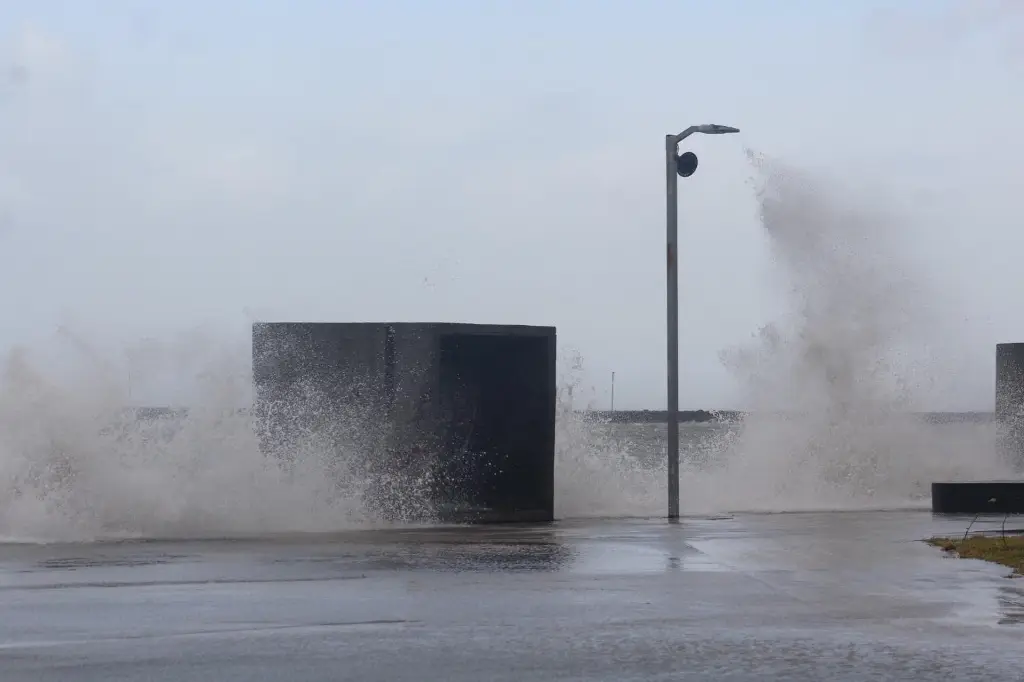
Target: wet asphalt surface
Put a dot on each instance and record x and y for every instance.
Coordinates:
(842, 596)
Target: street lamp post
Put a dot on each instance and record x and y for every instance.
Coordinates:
(684, 165)
(613, 392)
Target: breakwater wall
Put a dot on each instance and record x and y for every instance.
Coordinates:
(734, 416)
(640, 416)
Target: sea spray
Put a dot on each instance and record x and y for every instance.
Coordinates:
(830, 386)
(76, 465)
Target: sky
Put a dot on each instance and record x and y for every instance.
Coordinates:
(172, 166)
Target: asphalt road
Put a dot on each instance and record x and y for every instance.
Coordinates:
(844, 596)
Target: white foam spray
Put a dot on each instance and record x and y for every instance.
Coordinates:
(75, 466)
(831, 387)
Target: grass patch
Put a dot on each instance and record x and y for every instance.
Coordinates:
(1004, 550)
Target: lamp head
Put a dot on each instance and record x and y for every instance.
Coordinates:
(715, 129)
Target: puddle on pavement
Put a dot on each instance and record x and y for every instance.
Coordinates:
(610, 558)
(1011, 603)
(124, 561)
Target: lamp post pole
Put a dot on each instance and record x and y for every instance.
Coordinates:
(613, 392)
(676, 165)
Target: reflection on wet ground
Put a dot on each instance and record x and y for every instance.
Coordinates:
(794, 596)
(1011, 605)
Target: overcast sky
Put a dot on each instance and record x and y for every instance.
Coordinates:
(168, 165)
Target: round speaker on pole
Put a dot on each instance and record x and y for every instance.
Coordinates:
(686, 164)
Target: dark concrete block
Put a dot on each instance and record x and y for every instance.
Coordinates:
(450, 422)
(1010, 401)
(978, 497)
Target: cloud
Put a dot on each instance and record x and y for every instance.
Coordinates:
(948, 31)
(33, 53)
(26, 57)
(196, 165)
(79, 155)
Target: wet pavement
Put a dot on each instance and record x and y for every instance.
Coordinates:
(842, 596)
